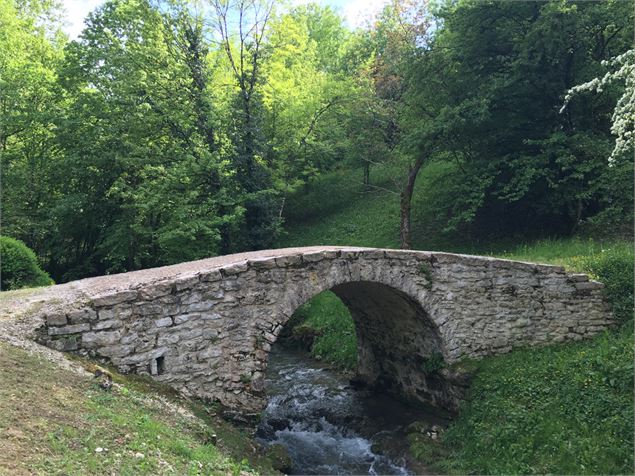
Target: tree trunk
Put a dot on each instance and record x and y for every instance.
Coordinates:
(366, 174)
(405, 205)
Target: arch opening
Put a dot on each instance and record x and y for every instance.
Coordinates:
(399, 349)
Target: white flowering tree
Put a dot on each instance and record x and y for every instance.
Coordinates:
(621, 68)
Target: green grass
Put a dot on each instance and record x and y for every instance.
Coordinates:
(331, 322)
(336, 209)
(328, 213)
(563, 409)
(54, 421)
(567, 252)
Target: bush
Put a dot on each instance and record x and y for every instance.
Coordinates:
(614, 267)
(19, 267)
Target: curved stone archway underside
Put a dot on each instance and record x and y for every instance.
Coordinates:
(206, 327)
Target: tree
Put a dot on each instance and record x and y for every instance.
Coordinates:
(30, 50)
(623, 119)
(242, 27)
(615, 184)
(305, 101)
(401, 36)
(144, 169)
(520, 166)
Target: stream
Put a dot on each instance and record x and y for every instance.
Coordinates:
(329, 427)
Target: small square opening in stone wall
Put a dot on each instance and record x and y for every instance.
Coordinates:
(157, 366)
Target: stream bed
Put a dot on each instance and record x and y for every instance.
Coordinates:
(329, 427)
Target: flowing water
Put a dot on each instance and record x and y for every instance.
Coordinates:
(329, 427)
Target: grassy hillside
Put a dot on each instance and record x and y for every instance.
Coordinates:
(55, 421)
(337, 209)
(560, 409)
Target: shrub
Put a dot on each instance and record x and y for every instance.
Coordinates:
(614, 267)
(19, 267)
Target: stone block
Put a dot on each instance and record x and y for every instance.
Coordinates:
(156, 290)
(211, 316)
(190, 334)
(212, 352)
(82, 315)
(262, 263)
(69, 329)
(214, 294)
(163, 322)
(235, 268)
(168, 339)
(230, 284)
(211, 276)
(116, 351)
(374, 254)
(182, 318)
(398, 254)
(56, 319)
(288, 260)
(102, 338)
(123, 311)
(197, 307)
(185, 282)
(106, 324)
(313, 257)
(129, 338)
(106, 314)
(350, 255)
(209, 333)
(191, 298)
(65, 344)
(115, 297)
(590, 285)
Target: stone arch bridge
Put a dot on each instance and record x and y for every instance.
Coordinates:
(206, 327)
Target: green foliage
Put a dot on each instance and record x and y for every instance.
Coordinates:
(336, 341)
(565, 409)
(30, 53)
(19, 267)
(495, 93)
(433, 363)
(614, 268)
(143, 143)
(426, 272)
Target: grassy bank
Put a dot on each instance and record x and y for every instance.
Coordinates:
(563, 409)
(328, 320)
(560, 409)
(58, 422)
